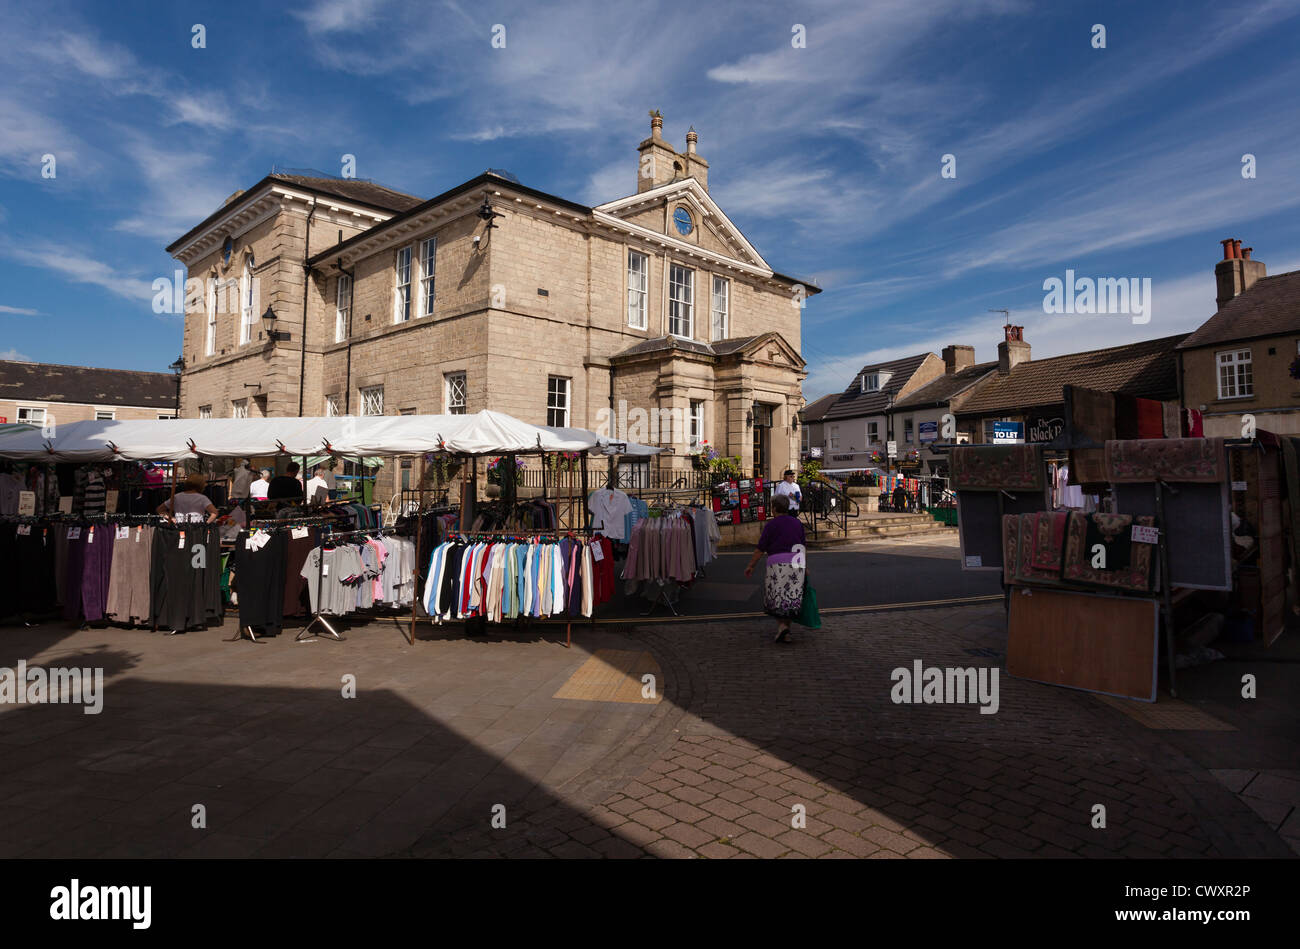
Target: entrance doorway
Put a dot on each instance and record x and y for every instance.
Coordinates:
(762, 438)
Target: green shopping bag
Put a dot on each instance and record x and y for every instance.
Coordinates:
(809, 615)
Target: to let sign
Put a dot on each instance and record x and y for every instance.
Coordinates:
(1009, 433)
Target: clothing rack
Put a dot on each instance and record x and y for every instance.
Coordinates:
(327, 536)
(670, 510)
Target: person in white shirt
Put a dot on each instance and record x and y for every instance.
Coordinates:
(790, 489)
(259, 487)
(317, 484)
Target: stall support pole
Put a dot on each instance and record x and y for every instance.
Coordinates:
(415, 578)
(1166, 594)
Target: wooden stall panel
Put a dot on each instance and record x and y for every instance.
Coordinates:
(1086, 641)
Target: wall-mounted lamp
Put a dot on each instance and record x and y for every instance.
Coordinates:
(486, 213)
(268, 321)
(794, 422)
(749, 418)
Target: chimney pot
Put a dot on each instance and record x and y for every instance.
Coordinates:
(1236, 248)
(1245, 252)
(1227, 248)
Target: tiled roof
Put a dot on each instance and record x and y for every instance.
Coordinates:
(724, 346)
(854, 402)
(941, 390)
(43, 382)
(659, 343)
(354, 189)
(813, 411)
(1270, 308)
(1148, 369)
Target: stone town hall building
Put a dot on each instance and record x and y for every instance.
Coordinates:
(340, 297)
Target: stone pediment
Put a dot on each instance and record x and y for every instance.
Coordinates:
(652, 210)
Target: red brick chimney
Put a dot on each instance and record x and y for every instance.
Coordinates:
(1237, 272)
(1013, 350)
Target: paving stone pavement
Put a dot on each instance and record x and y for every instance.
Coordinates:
(770, 729)
(448, 734)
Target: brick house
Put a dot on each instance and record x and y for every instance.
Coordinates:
(45, 394)
(1238, 362)
(919, 416)
(650, 318)
(1031, 391)
(859, 420)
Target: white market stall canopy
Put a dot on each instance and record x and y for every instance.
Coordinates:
(605, 446)
(180, 439)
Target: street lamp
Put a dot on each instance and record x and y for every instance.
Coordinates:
(268, 321)
(177, 368)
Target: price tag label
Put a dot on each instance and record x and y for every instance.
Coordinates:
(24, 529)
(1239, 486)
(1145, 535)
(325, 570)
(180, 543)
(122, 533)
(27, 503)
(138, 532)
(596, 553)
(974, 560)
(74, 533)
(298, 533)
(90, 536)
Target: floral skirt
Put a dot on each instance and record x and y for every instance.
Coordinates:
(783, 588)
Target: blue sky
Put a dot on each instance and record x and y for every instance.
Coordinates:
(1115, 162)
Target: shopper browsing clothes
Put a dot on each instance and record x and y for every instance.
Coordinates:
(191, 504)
(318, 487)
(285, 486)
(782, 541)
(789, 488)
(257, 490)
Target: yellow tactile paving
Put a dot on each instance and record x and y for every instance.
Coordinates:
(614, 675)
(1168, 714)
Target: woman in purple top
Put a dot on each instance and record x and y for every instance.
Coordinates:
(782, 541)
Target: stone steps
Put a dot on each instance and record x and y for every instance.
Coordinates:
(885, 525)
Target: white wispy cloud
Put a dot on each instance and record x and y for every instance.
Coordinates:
(75, 266)
(13, 355)
(19, 310)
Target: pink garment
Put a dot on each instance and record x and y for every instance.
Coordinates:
(381, 554)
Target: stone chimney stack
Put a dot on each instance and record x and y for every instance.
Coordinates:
(1013, 350)
(658, 162)
(958, 357)
(1237, 272)
(696, 167)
